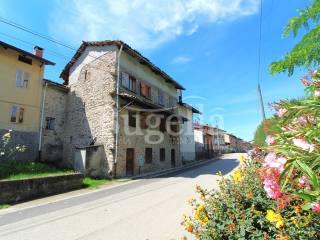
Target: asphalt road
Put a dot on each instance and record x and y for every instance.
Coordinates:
(141, 209)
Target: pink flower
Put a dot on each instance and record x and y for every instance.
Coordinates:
(270, 140)
(316, 207)
(302, 120)
(272, 188)
(301, 143)
(272, 161)
(313, 73)
(305, 81)
(282, 112)
(317, 92)
(304, 182)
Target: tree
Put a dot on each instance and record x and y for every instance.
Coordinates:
(307, 51)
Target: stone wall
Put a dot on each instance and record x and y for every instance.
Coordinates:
(91, 109)
(28, 139)
(13, 191)
(52, 139)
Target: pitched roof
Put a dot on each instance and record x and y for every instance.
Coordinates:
(132, 52)
(45, 61)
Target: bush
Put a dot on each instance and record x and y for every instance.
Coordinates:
(267, 127)
(242, 210)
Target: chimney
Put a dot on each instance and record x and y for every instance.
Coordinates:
(38, 51)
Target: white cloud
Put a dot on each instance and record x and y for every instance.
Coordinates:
(143, 24)
(181, 60)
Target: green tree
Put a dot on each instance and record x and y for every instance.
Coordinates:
(307, 51)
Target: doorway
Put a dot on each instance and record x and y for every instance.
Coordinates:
(173, 158)
(130, 162)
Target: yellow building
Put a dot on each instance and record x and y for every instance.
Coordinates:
(21, 76)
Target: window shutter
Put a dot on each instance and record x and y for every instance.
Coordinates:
(21, 112)
(26, 78)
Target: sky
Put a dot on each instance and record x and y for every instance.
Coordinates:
(209, 46)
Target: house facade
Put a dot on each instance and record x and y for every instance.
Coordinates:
(20, 97)
(187, 138)
(122, 102)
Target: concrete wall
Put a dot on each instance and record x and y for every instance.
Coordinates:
(13, 191)
(53, 139)
(187, 141)
(28, 98)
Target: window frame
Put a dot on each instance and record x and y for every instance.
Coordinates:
(162, 154)
(49, 122)
(24, 78)
(148, 155)
(148, 87)
(160, 97)
(132, 120)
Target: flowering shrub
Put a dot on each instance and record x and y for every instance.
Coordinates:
(242, 210)
(6, 148)
(292, 165)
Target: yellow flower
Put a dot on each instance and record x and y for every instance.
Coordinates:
(242, 159)
(279, 224)
(237, 176)
(294, 220)
(275, 217)
(272, 216)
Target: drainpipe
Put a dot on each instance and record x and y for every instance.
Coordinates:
(117, 115)
(41, 120)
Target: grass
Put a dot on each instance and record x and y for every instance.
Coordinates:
(2, 206)
(95, 183)
(15, 170)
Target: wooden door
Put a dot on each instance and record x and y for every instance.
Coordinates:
(173, 158)
(130, 162)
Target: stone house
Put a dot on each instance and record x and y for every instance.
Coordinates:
(120, 101)
(53, 118)
(20, 97)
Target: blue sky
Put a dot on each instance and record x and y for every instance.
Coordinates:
(209, 46)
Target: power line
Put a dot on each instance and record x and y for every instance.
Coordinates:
(48, 38)
(54, 52)
(29, 30)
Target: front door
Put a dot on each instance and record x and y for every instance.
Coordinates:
(130, 162)
(173, 158)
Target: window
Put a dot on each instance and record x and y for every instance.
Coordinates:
(50, 123)
(22, 78)
(131, 119)
(14, 112)
(17, 114)
(24, 59)
(160, 97)
(172, 102)
(143, 121)
(145, 90)
(129, 82)
(162, 124)
(162, 154)
(148, 155)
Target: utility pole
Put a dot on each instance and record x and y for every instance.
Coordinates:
(261, 102)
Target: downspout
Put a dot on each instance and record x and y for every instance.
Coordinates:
(41, 120)
(117, 115)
